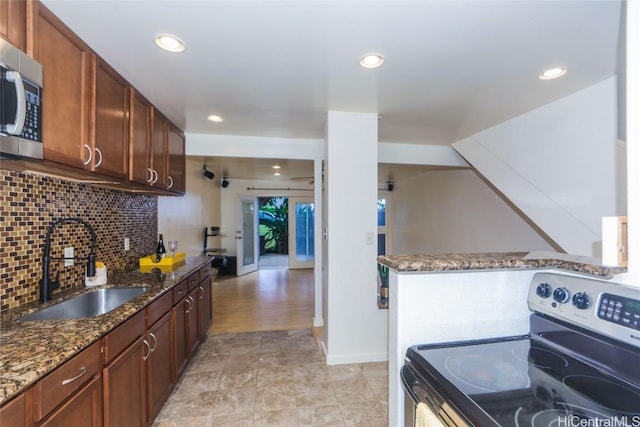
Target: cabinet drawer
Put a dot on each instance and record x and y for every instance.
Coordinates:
(50, 391)
(179, 292)
(205, 273)
(159, 308)
(193, 280)
(121, 337)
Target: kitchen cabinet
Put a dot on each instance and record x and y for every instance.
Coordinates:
(160, 375)
(13, 22)
(109, 143)
(204, 304)
(124, 374)
(179, 315)
(85, 409)
(159, 149)
(66, 101)
(140, 140)
(71, 392)
(175, 160)
(15, 413)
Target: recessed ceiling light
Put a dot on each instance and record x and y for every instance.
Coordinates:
(277, 174)
(170, 43)
(275, 167)
(553, 73)
(214, 118)
(372, 60)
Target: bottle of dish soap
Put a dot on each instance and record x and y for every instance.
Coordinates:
(160, 250)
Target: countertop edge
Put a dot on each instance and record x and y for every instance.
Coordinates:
(438, 263)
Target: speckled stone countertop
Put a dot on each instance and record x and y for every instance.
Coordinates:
(30, 350)
(498, 261)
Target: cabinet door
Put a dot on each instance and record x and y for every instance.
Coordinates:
(83, 409)
(193, 337)
(139, 139)
(125, 393)
(180, 355)
(159, 365)
(110, 121)
(14, 413)
(13, 22)
(65, 112)
(159, 149)
(175, 160)
(205, 312)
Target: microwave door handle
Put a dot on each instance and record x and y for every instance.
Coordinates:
(21, 107)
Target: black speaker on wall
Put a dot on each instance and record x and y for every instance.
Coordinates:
(225, 182)
(207, 173)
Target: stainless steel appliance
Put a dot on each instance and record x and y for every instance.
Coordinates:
(20, 104)
(578, 366)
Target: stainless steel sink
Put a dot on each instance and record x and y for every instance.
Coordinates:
(93, 303)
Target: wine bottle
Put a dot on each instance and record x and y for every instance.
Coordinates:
(160, 250)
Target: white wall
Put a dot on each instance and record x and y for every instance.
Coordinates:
(355, 329)
(558, 165)
(454, 211)
(183, 218)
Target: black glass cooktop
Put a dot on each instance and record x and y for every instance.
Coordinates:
(523, 382)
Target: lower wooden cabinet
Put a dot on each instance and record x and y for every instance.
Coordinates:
(83, 409)
(125, 378)
(124, 374)
(15, 413)
(160, 378)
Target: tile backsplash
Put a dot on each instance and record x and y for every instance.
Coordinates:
(30, 203)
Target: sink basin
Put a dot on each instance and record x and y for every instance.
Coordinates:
(90, 304)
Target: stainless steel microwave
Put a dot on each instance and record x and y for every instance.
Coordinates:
(20, 104)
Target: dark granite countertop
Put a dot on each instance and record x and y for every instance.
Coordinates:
(497, 261)
(30, 350)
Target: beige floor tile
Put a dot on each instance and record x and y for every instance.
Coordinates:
(198, 382)
(238, 379)
(277, 418)
(328, 416)
(281, 396)
(319, 394)
(235, 420)
(365, 414)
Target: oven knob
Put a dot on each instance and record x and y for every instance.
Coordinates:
(561, 295)
(543, 290)
(581, 300)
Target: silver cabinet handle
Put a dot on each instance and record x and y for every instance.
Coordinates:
(148, 350)
(100, 153)
(201, 289)
(155, 342)
(170, 181)
(150, 175)
(155, 176)
(83, 371)
(186, 300)
(90, 154)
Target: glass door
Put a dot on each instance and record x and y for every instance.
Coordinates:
(301, 238)
(247, 235)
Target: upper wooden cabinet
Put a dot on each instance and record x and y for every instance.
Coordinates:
(110, 121)
(176, 160)
(159, 149)
(140, 139)
(13, 22)
(66, 102)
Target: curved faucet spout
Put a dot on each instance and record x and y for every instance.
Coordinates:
(47, 285)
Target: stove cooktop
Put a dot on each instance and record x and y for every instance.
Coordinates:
(523, 382)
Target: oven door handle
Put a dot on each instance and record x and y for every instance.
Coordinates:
(409, 381)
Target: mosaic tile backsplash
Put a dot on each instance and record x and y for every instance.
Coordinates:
(30, 203)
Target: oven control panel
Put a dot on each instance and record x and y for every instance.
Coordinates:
(609, 308)
(618, 309)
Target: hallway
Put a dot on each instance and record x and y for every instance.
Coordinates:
(265, 300)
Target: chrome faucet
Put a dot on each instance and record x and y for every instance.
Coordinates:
(47, 285)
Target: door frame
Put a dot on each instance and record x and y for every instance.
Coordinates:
(242, 230)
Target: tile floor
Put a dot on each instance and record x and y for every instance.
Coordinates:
(275, 378)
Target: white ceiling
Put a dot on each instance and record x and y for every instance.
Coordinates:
(274, 68)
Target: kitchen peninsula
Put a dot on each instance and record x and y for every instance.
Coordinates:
(455, 297)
